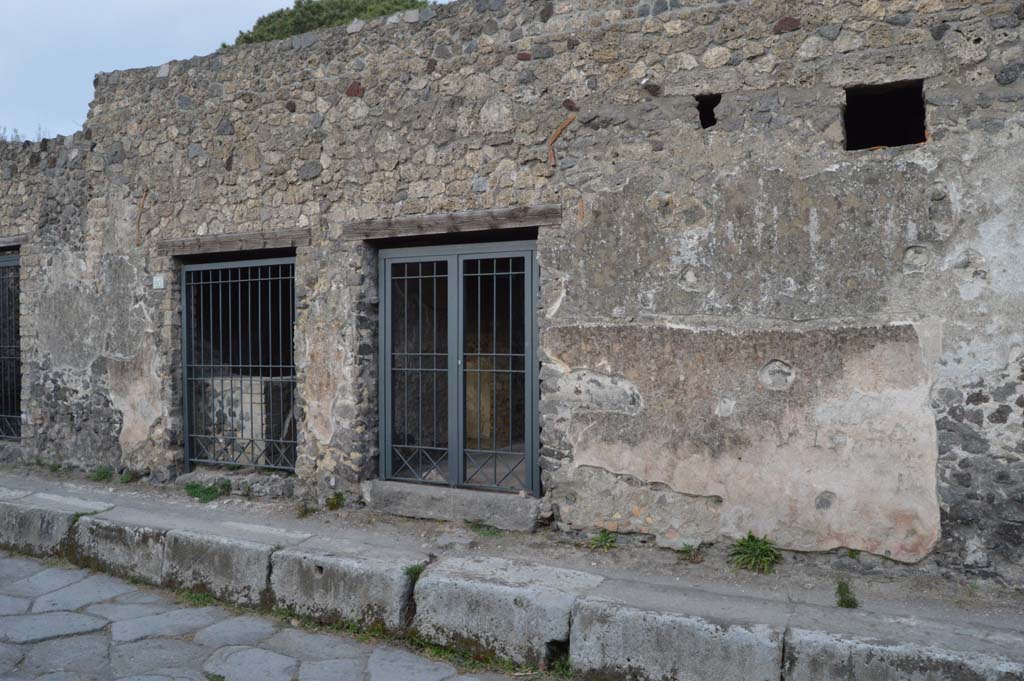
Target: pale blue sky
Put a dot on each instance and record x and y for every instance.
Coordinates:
(51, 49)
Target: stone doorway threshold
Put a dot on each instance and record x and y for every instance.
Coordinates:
(531, 598)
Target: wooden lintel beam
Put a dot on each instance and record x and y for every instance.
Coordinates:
(446, 223)
(244, 241)
(12, 241)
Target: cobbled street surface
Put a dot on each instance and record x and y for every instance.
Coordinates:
(65, 624)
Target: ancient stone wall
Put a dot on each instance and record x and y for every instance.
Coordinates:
(743, 327)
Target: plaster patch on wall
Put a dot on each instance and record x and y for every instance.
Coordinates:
(857, 427)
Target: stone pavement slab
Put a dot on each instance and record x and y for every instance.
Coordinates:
(87, 654)
(173, 623)
(237, 631)
(242, 663)
(31, 628)
(44, 582)
(94, 589)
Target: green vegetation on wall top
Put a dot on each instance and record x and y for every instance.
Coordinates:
(310, 15)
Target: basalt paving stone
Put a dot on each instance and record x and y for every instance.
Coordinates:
(173, 623)
(174, 675)
(10, 656)
(145, 598)
(243, 663)
(94, 589)
(14, 569)
(84, 654)
(237, 631)
(390, 664)
(306, 646)
(39, 627)
(333, 670)
(119, 612)
(142, 657)
(44, 582)
(12, 605)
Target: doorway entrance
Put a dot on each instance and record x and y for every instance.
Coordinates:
(458, 366)
(239, 363)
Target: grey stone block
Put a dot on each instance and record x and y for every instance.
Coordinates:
(32, 628)
(351, 588)
(90, 590)
(174, 623)
(815, 655)
(518, 611)
(504, 511)
(231, 570)
(39, 524)
(617, 641)
(119, 549)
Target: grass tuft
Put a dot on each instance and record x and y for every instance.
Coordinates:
(197, 599)
(844, 595)
(303, 510)
(414, 571)
(335, 501)
(484, 530)
(853, 553)
(214, 677)
(204, 494)
(757, 554)
(102, 474)
(603, 540)
(129, 476)
(690, 554)
(54, 467)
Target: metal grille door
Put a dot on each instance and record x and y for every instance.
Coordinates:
(10, 348)
(458, 385)
(239, 363)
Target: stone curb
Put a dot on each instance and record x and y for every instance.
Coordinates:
(518, 611)
(529, 613)
(334, 588)
(815, 655)
(615, 641)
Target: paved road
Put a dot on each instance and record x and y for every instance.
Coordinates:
(59, 624)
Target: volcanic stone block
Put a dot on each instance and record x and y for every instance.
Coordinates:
(515, 610)
(232, 570)
(120, 549)
(626, 642)
(350, 588)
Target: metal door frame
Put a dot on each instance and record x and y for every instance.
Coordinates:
(186, 414)
(456, 255)
(13, 260)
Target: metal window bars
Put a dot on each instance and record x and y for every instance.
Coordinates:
(10, 348)
(458, 370)
(239, 363)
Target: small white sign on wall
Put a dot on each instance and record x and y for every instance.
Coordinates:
(158, 282)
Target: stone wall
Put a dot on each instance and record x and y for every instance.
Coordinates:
(744, 327)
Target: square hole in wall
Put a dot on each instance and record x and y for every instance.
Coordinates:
(888, 115)
(706, 108)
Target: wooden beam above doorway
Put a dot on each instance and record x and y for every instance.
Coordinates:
(544, 215)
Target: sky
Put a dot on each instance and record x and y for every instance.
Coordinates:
(51, 49)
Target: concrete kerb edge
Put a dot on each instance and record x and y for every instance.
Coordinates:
(65, 545)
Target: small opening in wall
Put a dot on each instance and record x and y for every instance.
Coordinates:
(888, 115)
(706, 107)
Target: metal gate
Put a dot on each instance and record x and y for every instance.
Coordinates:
(458, 369)
(10, 348)
(239, 363)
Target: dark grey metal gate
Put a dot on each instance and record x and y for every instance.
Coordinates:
(458, 368)
(239, 363)
(10, 347)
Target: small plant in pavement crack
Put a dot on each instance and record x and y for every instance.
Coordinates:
(335, 501)
(690, 554)
(484, 530)
(603, 540)
(844, 595)
(757, 554)
(204, 494)
(102, 474)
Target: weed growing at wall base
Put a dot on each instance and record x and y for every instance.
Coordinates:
(757, 554)
(603, 540)
(204, 494)
(102, 474)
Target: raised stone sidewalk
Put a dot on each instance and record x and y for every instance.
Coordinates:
(65, 624)
(532, 612)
